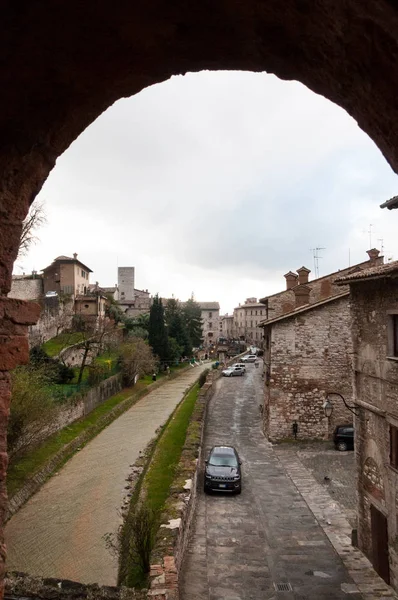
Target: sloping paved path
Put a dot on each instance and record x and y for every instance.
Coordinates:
(58, 533)
(242, 545)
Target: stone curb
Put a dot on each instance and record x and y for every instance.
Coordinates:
(336, 527)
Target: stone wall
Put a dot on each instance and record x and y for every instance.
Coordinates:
(376, 391)
(26, 288)
(310, 354)
(20, 585)
(55, 317)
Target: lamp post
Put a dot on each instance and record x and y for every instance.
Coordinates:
(328, 405)
(327, 408)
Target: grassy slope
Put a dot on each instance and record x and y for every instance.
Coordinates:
(155, 485)
(54, 346)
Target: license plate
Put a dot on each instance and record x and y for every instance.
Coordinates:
(222, 485)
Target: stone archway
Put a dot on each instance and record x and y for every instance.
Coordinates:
(64, 64)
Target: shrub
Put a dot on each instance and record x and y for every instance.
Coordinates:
(31, 411)
(142, 526)
(97, 373)
(54, 370)
(202, 377)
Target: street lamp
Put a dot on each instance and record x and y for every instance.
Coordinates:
(328, 406)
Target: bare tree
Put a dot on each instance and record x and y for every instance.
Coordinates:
(35, 218)
(94, 337)
(136, 359)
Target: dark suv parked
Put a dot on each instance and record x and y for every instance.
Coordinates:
(223, 472)
(343, 437)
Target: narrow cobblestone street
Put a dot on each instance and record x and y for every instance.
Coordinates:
(59, 532)
(242, 547)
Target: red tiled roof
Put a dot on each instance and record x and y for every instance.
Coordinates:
(387, 270)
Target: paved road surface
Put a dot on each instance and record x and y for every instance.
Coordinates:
(58, 533)
(242, 545)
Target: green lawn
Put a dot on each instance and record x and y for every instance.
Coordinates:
(155, 485)
(26, 466)
(160, 474)
(54, 346)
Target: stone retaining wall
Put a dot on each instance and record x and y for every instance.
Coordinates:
(172, 539)
(39, 478)
(20, 585)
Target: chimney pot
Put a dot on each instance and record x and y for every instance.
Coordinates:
(303, 274)
(75, 255)
(373, 254)
(291, 280)
(302, 294)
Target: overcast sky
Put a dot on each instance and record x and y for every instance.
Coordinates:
(217, 184)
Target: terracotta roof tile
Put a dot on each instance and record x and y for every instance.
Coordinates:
(387, 270)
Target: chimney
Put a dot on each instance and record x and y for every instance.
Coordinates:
(373, 256)
(75, 255)
(303, 273)
(302, 294)
(291, 280)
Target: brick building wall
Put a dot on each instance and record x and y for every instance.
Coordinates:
(307, 355)
(373, 302)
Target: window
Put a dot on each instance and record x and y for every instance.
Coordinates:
(210, 315)
(261, 312)
(394, 447)
(210, 334)
(210, 325)
(395, 334)
(256, 313)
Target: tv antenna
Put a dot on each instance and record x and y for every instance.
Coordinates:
(316, 256)
(381, 240)
(370, 235)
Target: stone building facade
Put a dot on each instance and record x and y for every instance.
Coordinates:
(140, 305)
(307, 354)
(227, 327)
(210, 322)
(125, 281)
(246, 321)
(374, 312)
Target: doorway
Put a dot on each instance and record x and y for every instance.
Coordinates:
(379, 529)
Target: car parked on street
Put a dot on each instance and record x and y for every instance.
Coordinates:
(233, 372)
(343, 437)
(223, 470)
(249, 358)
(241, 365)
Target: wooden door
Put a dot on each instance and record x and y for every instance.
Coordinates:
(380, 543)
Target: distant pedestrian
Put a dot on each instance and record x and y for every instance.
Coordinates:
(168, 370)
(154, 377)
(295, 430)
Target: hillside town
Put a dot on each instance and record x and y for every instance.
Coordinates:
(199, 300)
(326, 348)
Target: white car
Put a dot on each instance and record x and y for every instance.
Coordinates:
(249, 358)
(242, 365)
(233, 372)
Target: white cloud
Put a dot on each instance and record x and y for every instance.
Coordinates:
(217, 183)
